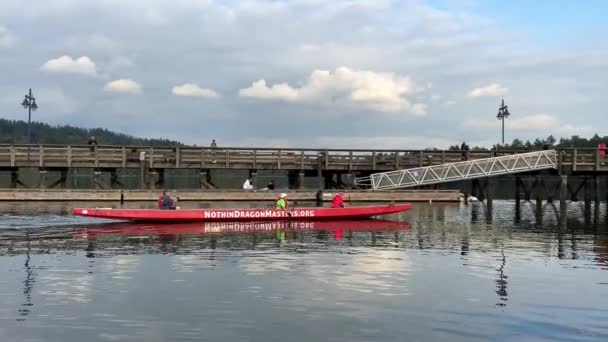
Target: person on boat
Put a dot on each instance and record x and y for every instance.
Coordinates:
(248, 185)
(281, 202)
(166, 202)
(338, 201)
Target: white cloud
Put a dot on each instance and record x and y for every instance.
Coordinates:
(67, 65)
(6, 37)
(377, 91)
(194, 90)
(123, 86)
(493, 89)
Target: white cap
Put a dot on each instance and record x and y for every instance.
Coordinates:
(283, 195)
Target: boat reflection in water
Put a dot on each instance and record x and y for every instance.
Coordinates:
(338, 227)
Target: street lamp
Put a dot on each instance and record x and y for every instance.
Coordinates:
(29, 102)
(503, 113)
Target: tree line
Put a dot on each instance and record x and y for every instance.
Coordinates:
(539, 143)
(15, 132)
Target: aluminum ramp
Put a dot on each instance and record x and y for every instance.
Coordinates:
(504, 165)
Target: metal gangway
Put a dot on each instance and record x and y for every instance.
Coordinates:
(503, 165)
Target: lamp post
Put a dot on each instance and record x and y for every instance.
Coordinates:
(503, 113)
(29, 102)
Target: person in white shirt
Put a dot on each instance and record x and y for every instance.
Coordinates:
(248, 185)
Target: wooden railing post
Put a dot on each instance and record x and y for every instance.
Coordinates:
(560, 161)
(597, 159)
(279, 159)
(255, 159)
(302, 161)
(96, 155)
(151, 158)
(442, 156)
(227, 159)
(13, 156)
(350, 161)
(124, 157)
(69, 160)
(177, 157)
(373, 160)
(396, 159)
(574, 157)
(326, 159)
(420, 160)
(41, 156)
(202, 158)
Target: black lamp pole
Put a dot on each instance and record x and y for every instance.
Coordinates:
(29, 102)
(503, 113)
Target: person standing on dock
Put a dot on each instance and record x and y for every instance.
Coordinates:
(93, 143)
(248, 185)
(281, 203)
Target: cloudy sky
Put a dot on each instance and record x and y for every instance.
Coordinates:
(308, 73)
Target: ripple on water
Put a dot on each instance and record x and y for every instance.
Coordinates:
(453, 276)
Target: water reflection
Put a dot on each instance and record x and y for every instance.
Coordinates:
(28, 283)
(448, 274)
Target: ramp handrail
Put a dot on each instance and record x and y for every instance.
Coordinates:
(516, 163)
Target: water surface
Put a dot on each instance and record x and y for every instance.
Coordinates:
(443, 273)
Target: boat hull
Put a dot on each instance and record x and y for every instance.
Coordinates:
(226, 215)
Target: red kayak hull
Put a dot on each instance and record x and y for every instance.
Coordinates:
(227, 215)
(135, 229)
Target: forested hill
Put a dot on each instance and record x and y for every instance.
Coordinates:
(15, 132)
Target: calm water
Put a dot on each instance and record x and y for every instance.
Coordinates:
(441, 273)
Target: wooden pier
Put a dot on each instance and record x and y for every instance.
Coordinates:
(65, 195)
(327, 165)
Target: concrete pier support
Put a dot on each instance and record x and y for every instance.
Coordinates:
(301, 180)
(596, 199)
(563, 197)
(115, 179)
(588, 188)
(489, 196)
(42, 178)
(538, 196)
(517, 199)
(98, 180)
(153, 179)
(205, 181)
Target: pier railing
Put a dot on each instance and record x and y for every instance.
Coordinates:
(61, 156)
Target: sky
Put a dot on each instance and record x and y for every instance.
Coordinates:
(398, 74)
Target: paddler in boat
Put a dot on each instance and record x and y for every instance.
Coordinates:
(338, 200)
(281, 202)
(166, 202)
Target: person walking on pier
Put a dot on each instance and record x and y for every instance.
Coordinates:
(465, 150)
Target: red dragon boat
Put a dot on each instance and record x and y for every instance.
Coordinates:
(253, 214)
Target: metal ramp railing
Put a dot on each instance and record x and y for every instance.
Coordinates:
(516, 163)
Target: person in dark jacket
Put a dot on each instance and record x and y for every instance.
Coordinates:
(166, 202)
(92, 142)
